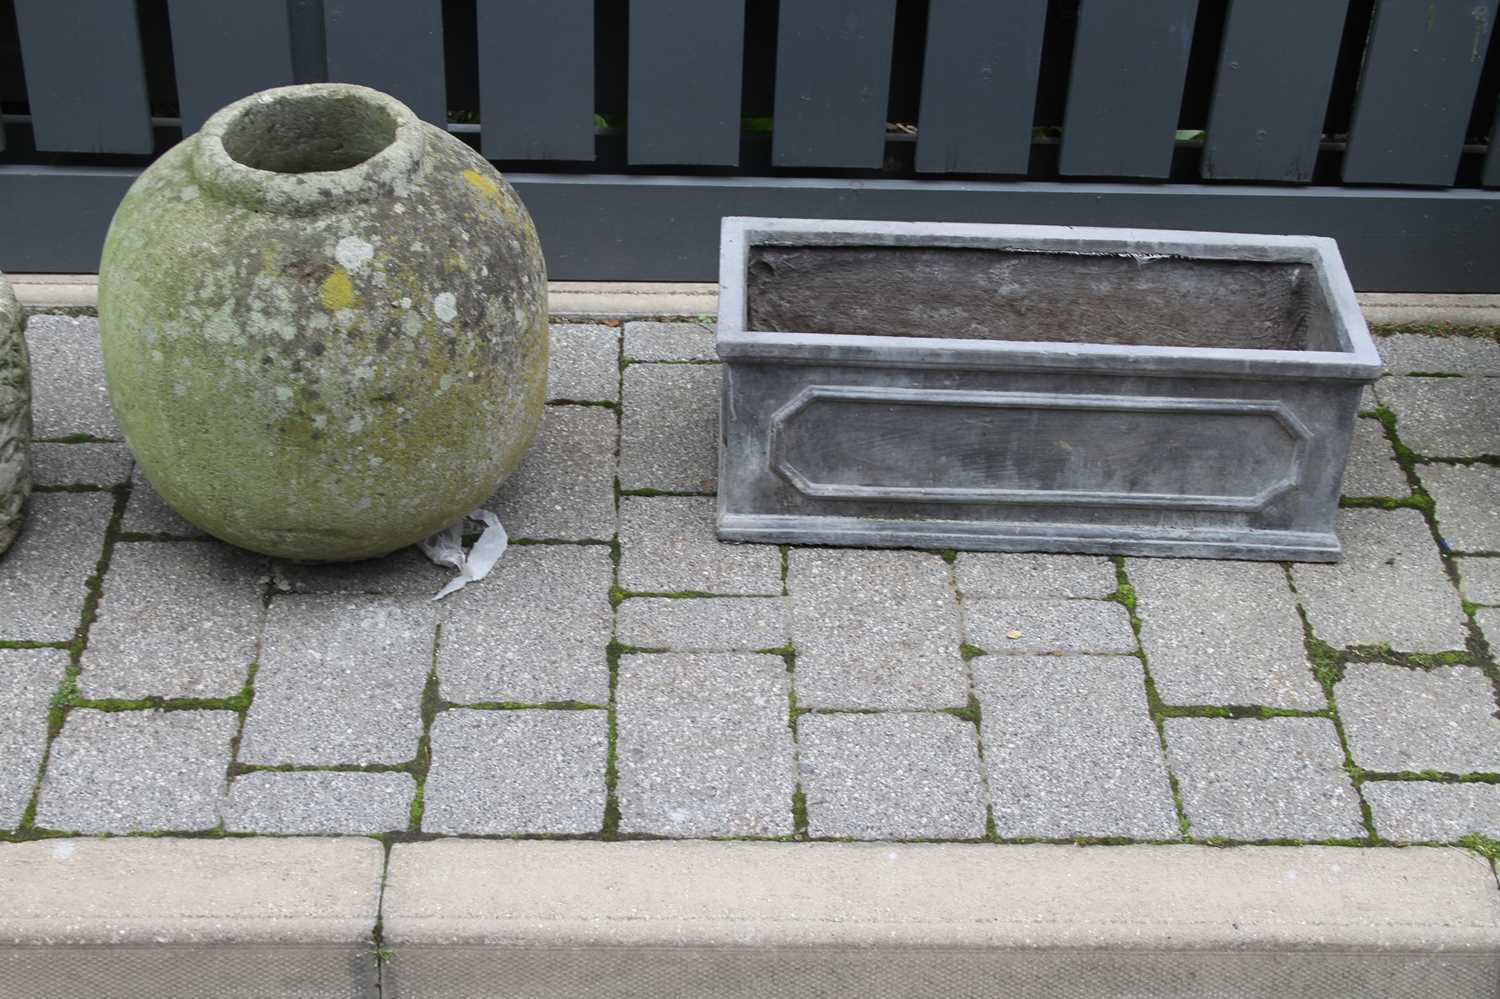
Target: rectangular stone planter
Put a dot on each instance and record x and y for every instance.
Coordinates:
(1036, 388)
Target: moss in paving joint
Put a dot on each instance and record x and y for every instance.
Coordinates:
(786, 565)
(672, 595)
(564, 542)
(1485, 846)
(969, 712)
(1428, 776)
(594, 403)
(1469, 330)
(76, 439)
(64, 646)
(1258, 712)
(524, 706)
(969, 652)
(421, 765)
(611, 830)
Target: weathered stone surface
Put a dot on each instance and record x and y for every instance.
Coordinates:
(1070, 747)
(44, 575)
(147, 513)
(991, 574)
(351, 434)
(565, 487)
(28, 679)
(537, 630)
(1223, 633)
(894, 775)
(1488, 619)
(1390, 589)
(669, 435)
(703, 747)
(1372, 468)
(175, 619)
(1479, 579)
(405, 571)
(1406, 353)
(136, 771)
(584, 364)
(669, 342)
(67, 379)
(1006, 625)
(1468, 503)
(319, 802)
(503, 773)
(1409, 719)
(668, 545)
(1447, 417)
(1274, 778)
(1416, 811)
(875, 629)
(80, 465)
(15, 417)
(340, 681)
(718, 624)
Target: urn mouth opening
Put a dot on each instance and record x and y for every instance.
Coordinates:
(309, 133)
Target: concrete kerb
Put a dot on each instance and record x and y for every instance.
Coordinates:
(298, 916)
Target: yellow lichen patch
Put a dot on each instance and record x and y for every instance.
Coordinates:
(338, 291)
(481, 183)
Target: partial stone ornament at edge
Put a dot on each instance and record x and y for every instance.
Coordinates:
(15, 417)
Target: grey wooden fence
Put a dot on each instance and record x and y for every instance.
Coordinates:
(631, 126)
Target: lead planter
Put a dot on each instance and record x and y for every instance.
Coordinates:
(1036, 388)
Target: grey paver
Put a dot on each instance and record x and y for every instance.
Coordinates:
(1251, 778)
(717, 624)
(1408, 719)
(565, 486)
(668, 545)
(1488, 619)
(703, 747)
(1479, 579)
(895, 775)
(1418, 811)
(1071, 749)
(516, 772)
(1404, 353)
(874, 629)
(67, 378)
(175, 619)
(1448, 417)
(669, 435)
(28, 679)
(1389, 589)
(340, 680)
(43, 578)
(1372, 468)
(1223, 633)
(135, 771)
(147, 513)
(1007, 625)
(1468, 503)
(537, 630)
(319, 802)
(406, 571)
(80, 464)
(994, 574)
(584, 365)
(669, 342)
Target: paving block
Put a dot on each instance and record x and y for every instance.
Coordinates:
(875, 629)
(1223, 633)
(1488, 620)
(895, 775)
(703, 746)
(1009, 625)
(319, 802)
(703, 624)
(67, 379)
(80, 464)
(28, 679)
(1031, 576)
(175, 619)
(1071, 749)
(1468, 503)
(565, 486)
(1406, 353)
(536, 631)
(340, 680)
(669, 342)
(1479, 579)
(1372, 468)
(1448, 417)
(584, 365)
(136, 771)
(44, 576)
(1398, 719)
(503, 773)
(147, 513)
(403, 572)
(1420, 811)
(669, 435)
(1273, 778)
(668, 544)
(1390, 588)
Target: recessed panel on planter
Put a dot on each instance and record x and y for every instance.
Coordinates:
(1036, 388)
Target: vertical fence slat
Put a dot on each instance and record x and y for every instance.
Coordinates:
(979, 80)
(686, 58)
(224, 52)
(1491, 176)
(1417, 91)
(536, 79)
(833, 80)
(1125, 90)
(391, 45)
(85, 77)
(1271, 93)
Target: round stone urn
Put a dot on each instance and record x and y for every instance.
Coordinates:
(15, 418)
(324, 325)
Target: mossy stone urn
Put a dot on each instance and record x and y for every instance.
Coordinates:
(324, 325)
(15, 418)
